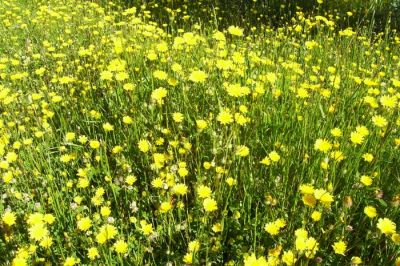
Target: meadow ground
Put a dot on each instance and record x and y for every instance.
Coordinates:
(127, 142)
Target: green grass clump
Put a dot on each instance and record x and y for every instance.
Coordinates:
(127, 142)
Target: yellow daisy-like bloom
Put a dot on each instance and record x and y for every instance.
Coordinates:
(323, 196)
(370, 211)
(368, 157)
(235, 30)
(9, 218)
(356, 260)
(336, 132)
(204, 192)
(210, 205)
(252, 260)
(273, 228)
(366, 180)
(18, 261)
(201, 124)
(242, 151)
(379, 121)
(356, 137)
(178, 117)
(316, 216)
(306, 189)
(121, 246)
(165, 207)
(38, 231)
(93, 253)
(198, 76)
(225, 117)
(266, 160)
(322, 145)
(108, 127)
(161, 75)
(71, 261)
(339, 247)
(194, 246)
(94, 144)
(188, 258)
(386, 226)
(146, 228)
(396, 238)
(309, 200)
(274, 156)
(289, 258)
(127, 120)
(144, 145)
(84, 223)
(159, 94)
(180, 189)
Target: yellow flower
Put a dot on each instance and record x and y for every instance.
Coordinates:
(71, 261)
(94, 144)
(225, 117)
(324, 196)
(366, 180)
(38, 232)
(180, 189)
(274, 156)
(356, 260)
(370, 211)
(146, 228)
(93, 253)
(161, 75)
(322, 145)
(266, 160)
(356, 137)
(336, 132)
(252, 260)
(273, 228)
(236, 31)
(159, 94)
(379, 121)
(178, 117)
(106, 75)
(198, 76)
(194, 246)
(288, 258)
(107, 232)
(210, 205)
(108, 127)
(69, 136)
(144, 145)
(309, 200)
(9, 218)
(165, 206)
(339, 247)
(121, 247)
(386, 226)
(188, 258)
(105, 211)
(396, 238)
(84, 223)
(19, 261)
(316, 216)
(242, 151)
(203, 192)
(201, 124)
(130, 179)
(46, 242)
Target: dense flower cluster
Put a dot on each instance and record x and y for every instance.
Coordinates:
(126, 142)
